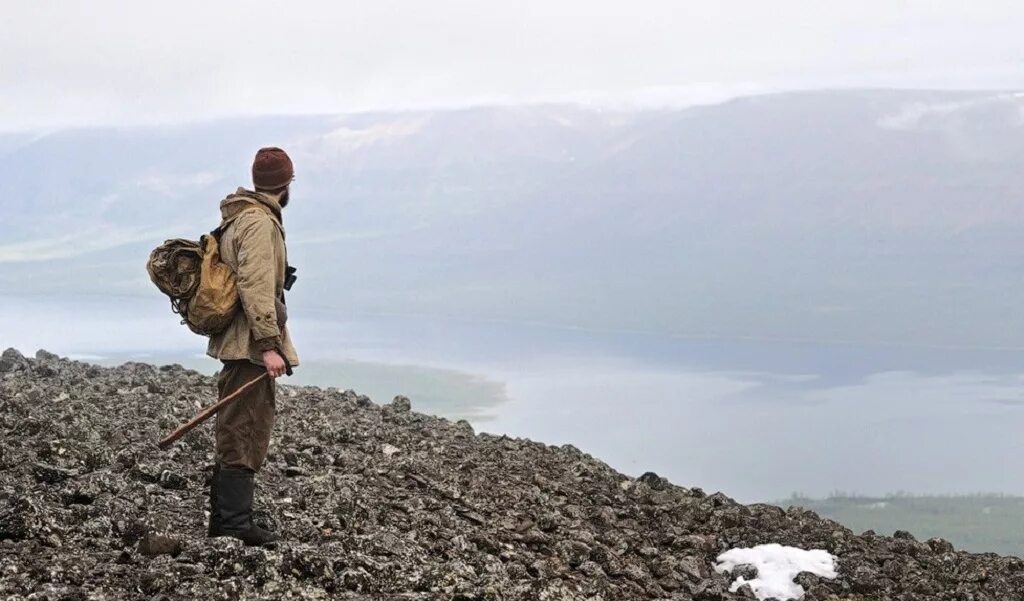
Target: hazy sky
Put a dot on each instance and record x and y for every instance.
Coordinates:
(107, 62)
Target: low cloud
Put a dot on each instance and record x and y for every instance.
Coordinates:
(83, 242)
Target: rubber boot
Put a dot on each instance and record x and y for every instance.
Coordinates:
(235, 489)
(214, 528)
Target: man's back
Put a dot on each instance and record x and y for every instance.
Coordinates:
(253, 245)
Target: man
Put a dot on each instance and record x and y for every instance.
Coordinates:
(252, 243)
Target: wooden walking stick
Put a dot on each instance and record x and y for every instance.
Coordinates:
(205, 414)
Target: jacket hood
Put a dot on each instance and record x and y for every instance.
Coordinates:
(243, 199)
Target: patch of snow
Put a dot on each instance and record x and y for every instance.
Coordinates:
(347, 139)
(918, 115)
(776, 566)
(167, 184)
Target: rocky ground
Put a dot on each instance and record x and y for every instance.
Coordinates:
(380, 502)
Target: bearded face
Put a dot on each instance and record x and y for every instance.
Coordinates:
(283, 201)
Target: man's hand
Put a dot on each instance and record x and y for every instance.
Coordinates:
(274, 363)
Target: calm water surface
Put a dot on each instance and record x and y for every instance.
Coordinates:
(756, 419)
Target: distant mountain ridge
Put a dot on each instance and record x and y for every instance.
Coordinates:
(761, 217)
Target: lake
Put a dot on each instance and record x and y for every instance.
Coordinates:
(757, 419)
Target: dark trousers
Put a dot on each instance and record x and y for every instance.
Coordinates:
(243, 427)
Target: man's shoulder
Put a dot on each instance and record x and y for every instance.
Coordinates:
(255, 216)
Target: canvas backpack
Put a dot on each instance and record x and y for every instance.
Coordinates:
(201, 287)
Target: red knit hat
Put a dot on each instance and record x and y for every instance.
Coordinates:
(272, 169)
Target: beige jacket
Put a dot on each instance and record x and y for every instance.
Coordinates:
(252, 244)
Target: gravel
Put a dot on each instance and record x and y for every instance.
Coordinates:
(381, 502)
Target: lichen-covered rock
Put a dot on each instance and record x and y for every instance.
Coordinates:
(384, 503)
(11, 360)
(156, 543)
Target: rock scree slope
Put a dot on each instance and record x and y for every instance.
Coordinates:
(380, 502)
